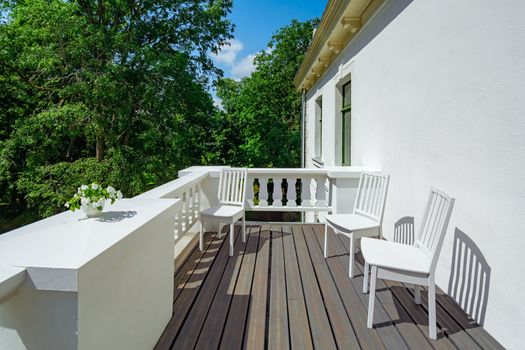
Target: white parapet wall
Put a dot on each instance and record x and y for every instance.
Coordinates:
(101, 283)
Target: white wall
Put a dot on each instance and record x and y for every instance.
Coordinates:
(36, 319)
(125, 295)
(438, 100)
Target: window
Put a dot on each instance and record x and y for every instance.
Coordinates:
(318, 154)
(346, 123)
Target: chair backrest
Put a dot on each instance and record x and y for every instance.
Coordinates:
(232, 186)
(434, 225)
(371, 195)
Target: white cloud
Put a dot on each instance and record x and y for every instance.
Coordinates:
(228, 52)
(234, 65)
(243, 67)
(217, 102)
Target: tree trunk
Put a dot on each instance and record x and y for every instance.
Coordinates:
(101, 148)
(125, 142)
(70, 149)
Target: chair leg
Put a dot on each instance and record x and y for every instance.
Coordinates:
(432, 310)
(243, 228)
(365, 278)
(351, 257)
(232, 236)
(219, 232)
(325, 241)
(417, 294)
(372, 297)
(201, 236)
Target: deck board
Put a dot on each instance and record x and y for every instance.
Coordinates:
(234, 328)
(278, 291)
(341, 325)
(322, 335)
(368, 339)
(183, 303)
(298, 315)
(278, 335)
(215, 300)
(255, 331)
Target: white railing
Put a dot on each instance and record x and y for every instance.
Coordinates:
(186, 188)
(288, 189)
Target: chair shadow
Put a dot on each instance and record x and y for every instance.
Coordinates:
(404, 230)
(468, 286)
(470, 277)
(116, 216)
(467, 295)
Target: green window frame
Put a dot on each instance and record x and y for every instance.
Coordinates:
(319, 128)
(346, 123)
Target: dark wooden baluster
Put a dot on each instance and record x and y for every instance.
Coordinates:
(284, 191)
(298, 191)
(269, 188)
(256, 188)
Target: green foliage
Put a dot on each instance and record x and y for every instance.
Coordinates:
(47, 188)
(106, 91)
(261, 122)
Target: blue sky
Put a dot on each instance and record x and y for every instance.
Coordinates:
(255, 22)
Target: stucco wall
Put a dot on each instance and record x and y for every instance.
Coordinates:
(437, 100)
(32, 319)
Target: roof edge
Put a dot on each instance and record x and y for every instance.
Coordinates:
(340, 23)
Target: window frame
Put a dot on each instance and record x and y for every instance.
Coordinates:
(346, 118)
(318, 129)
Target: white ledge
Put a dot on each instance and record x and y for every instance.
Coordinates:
(52, 251)
(348, 172)
(10, 279)
(334, 172)
(287, 171)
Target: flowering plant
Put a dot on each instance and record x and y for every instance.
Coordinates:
(93, 196)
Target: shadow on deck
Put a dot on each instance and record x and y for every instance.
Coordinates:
(278, 291)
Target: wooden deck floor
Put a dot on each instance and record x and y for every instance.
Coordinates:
(278, 292)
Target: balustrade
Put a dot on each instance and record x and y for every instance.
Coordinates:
(288, 190)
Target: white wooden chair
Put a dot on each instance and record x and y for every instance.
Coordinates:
(367, 216)
(415, 263)
(231, 196)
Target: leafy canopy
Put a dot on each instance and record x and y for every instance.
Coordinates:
(262, 113)
(105, 91)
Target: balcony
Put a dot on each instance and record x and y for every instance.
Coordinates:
(278, 292)
(135, 277)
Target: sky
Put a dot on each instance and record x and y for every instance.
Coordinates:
(255, 23)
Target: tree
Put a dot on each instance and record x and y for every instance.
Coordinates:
(262, 113)
(107, 91)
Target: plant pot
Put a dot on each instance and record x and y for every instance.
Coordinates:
(91, 211)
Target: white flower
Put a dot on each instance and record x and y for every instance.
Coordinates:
(94, 186)
(101, 202)
(110, 190)
(66, 205)
(119, 195)
(83, 187)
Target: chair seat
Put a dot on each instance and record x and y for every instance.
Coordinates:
(351, 222)
(223, 212)
(395, 256)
